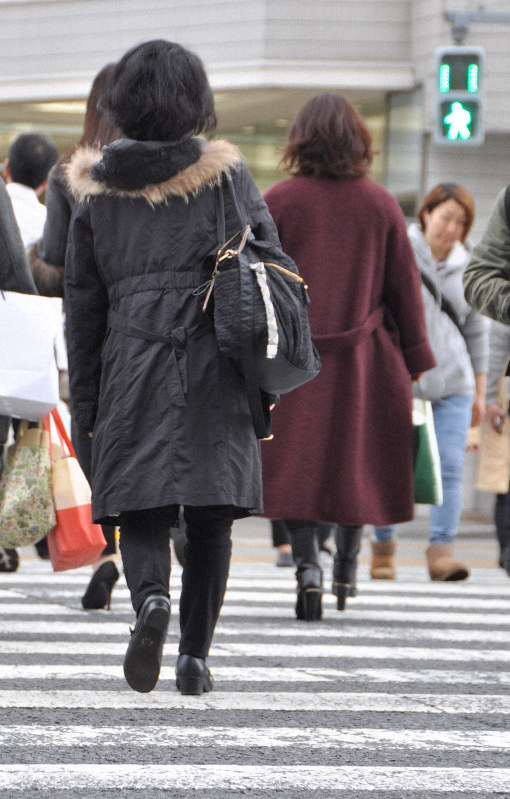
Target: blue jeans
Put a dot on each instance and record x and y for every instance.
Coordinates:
(452, 417)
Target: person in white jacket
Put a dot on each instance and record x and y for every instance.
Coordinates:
(29, 159)
(456, 386)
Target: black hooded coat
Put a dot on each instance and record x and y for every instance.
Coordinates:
(169, 413)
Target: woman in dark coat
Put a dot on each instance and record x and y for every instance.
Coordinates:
(47, 261)
(342, 447)
(168, 413)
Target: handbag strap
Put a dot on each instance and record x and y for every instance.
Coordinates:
(444, 304)
(62, 432)
(239, 209)
(259, 415)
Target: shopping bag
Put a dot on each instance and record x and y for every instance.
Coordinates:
(74, 541)
(428, 485)
(27, 512)
(29, 328)
(493, 473)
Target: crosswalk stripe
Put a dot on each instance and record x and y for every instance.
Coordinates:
(38, 736)
(318, 702)
(13, 627)
(247, 778)
(270, 674)
(265, 598)
(310, 651)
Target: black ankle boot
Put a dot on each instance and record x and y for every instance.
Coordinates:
(348, 543)
(193, 678)
(305, 551)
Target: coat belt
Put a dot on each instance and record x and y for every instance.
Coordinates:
(332, 342)
(176, 339)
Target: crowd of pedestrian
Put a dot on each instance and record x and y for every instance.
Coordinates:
(161, 418)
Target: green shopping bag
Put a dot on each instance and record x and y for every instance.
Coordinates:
(428, 485)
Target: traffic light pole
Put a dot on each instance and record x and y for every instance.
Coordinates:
(461, 19)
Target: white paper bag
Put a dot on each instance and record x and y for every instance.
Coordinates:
(29, 326)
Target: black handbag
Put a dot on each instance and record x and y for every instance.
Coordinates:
(260, 312)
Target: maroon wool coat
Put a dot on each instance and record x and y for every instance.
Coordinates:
(342, 446)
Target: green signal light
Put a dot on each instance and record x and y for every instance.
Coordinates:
(444, 78)
(472, 78)
(458, 121)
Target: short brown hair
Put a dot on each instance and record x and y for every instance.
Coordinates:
(448, 191)
(328, 138)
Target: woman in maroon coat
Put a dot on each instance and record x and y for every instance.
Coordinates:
(342, 447)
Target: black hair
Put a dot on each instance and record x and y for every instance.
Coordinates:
(31, 156)
(159, 91)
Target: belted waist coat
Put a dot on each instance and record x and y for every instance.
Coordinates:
(342, 446)
(168, 412)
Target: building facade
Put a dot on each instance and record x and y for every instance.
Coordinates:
(265, 58)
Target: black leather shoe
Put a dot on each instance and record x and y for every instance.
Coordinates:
(145, 651)
(99, 590)
(192, 676)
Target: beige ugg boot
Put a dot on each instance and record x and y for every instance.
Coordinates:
(443, 566)
(382, 565)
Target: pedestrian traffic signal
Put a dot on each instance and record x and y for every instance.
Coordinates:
(459, 76)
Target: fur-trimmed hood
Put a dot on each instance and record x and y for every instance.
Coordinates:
(154, 171)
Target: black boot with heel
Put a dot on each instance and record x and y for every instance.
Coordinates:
(348, 543)
(99, 590)
(305, 551)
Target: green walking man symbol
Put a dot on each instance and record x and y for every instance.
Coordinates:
(458, 119)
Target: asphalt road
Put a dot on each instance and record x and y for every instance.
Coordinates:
(405, 694)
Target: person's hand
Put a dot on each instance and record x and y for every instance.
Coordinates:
(495, 416)
(478, 410)
(90, 435)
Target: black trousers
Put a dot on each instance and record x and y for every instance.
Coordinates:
(502, 520)
(145, 550)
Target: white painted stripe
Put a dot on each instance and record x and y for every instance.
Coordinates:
(315, 702)
(267, 650)
(500, 584)
(100, 628)
(274, 737)
(354, 613)
(103, 672)
(272, 674)
(470, 592)
(446, 602)
(365, 651)
(247, 778)
(285, 613)
(297, 630)
(35, 608)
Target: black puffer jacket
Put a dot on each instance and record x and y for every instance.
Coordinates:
(169, 413)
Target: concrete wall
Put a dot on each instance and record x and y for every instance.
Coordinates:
(52, 48)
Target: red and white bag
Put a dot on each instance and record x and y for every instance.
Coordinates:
(75, 541)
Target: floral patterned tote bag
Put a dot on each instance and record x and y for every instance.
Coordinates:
(27, 511)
